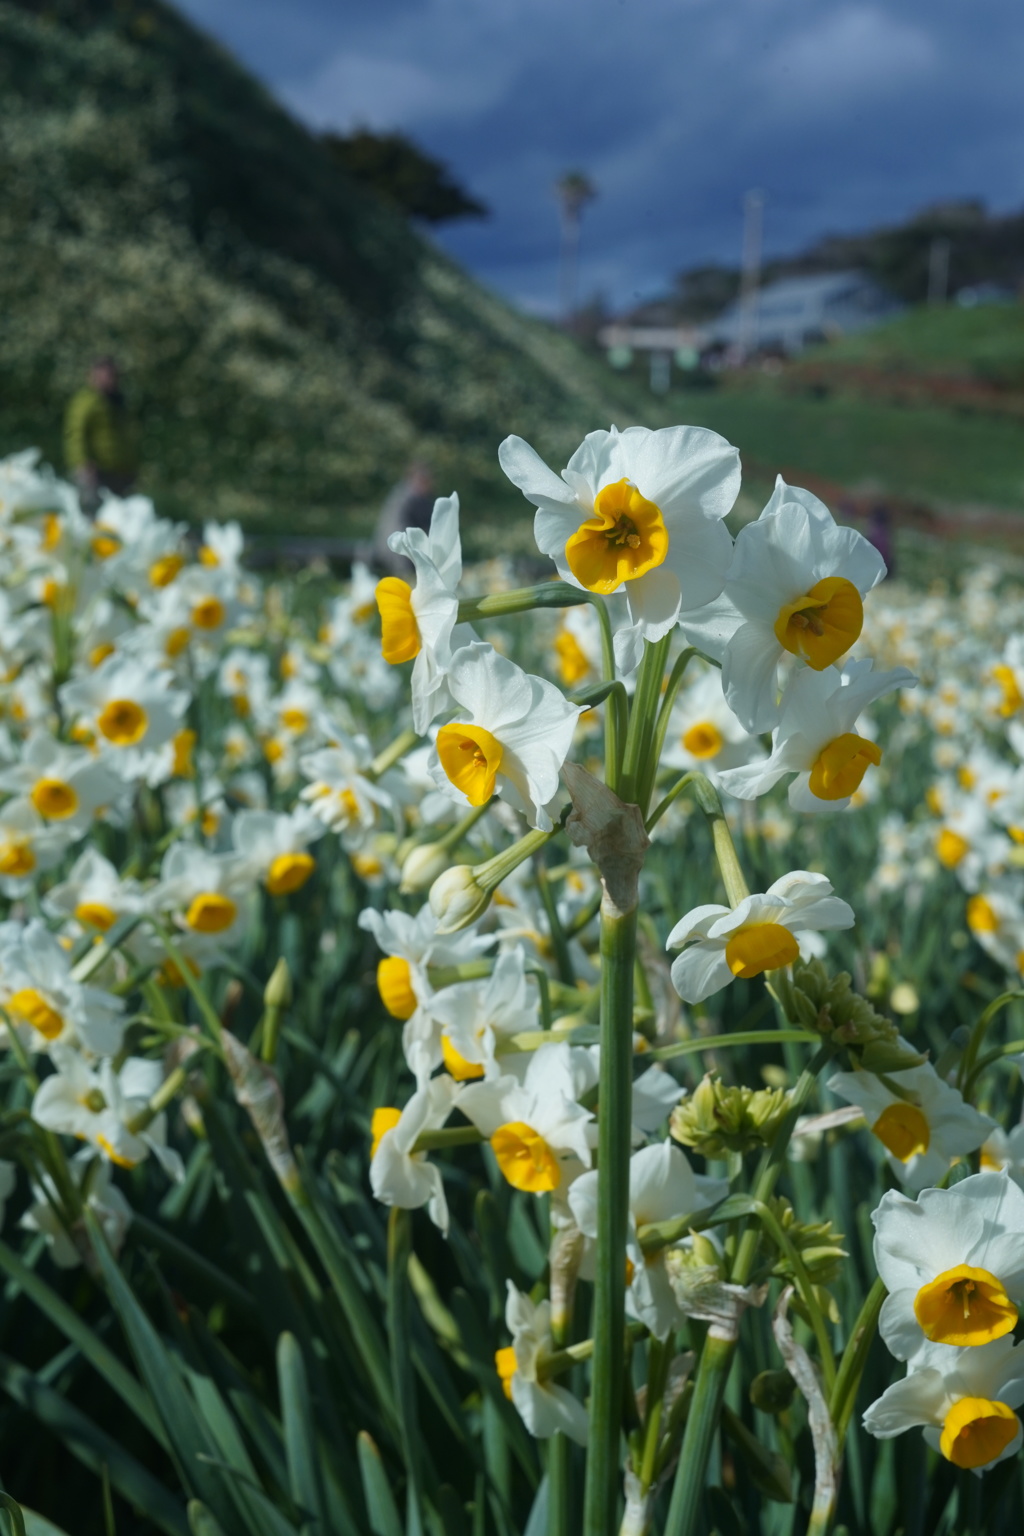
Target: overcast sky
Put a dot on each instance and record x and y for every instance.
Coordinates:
(845, 114)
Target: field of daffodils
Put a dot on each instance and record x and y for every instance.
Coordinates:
(499, 1060)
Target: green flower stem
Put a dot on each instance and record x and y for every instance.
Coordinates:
(547, 594)
(618, 950)
(441, 976)
(172, 1084)
(663, 804)
(659, 1357)
(454, 835)
(851, 1367)
(740, 1037)
(559, 1468)
(1012, 1048)
(403, 1380)
(668, 699)
(970, 1056)
(617, 710)
(203, 1003)
(448, 1136)
(805, 1287)
(717, 1354)
(391, 754)
(559, 942)
(707, 797)
(587, 914)
(636, 758)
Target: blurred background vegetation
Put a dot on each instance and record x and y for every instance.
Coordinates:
(290, 335)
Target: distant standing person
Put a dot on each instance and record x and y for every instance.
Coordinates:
(99, 436)
(409, 505)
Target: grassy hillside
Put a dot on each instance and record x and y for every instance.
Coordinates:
(984, 344)
(288, 339)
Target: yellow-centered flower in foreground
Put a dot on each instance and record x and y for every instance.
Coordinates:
(953, 1263)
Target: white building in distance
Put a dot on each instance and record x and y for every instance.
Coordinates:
(798, 312)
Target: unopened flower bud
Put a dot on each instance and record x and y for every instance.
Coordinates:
(278, 991)
(772, 1391)
(457, 899)
(424, 864)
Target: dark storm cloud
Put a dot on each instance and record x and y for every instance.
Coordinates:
(846, 114)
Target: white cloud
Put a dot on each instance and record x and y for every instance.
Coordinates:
(858, 50)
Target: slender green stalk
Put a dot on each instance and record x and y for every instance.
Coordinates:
(666, 800)
(642, 719)
(967, 1074)
(617, 706)
(560, 1510)
(618, 949)
(403, 1378)
(548, 594)
(720, 1344)
(392, 754)
(659, 1357)
(851, 1366)
(724, 1042)
(559, 942)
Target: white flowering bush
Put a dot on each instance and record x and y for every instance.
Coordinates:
(568, 1083)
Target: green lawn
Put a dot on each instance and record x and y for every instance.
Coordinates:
(986, 343)
(939, 456)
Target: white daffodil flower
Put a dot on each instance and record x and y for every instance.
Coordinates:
(539, 1134)
(796, 584)
(103, 1199)
(758, 935)
(28, 846)
(963, 1399)
(953, 1263)
(704, 733)
(816, 739)
(515, 738)
(65, 784)
(97, 1105)
(1008, 673)
(421, 621)
(205, 892)
(638, 511)
(222, 547)
(544, 1407)
(94, 894)
(274, 846)
(662, 1185)
(398, 1175)
(39, 995)
(340, 794)
(129, 709)
(924, 1133)
(244, 677)
(410, 945)
(1004, 1150)
(477, 1018)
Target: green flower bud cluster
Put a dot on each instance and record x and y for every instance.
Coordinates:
(817, 1243)
(717, 1118)
(829, 1005)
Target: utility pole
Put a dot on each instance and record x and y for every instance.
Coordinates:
(938, 270)
(574, 191)
(750, 280)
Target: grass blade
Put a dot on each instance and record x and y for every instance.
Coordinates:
(380, 1503)
(300, 1434)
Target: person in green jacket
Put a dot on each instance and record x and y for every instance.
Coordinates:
(99, 436)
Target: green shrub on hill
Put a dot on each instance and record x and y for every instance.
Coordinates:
(289, 340)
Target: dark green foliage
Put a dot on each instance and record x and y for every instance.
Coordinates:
(288, 340)
(402, 173)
